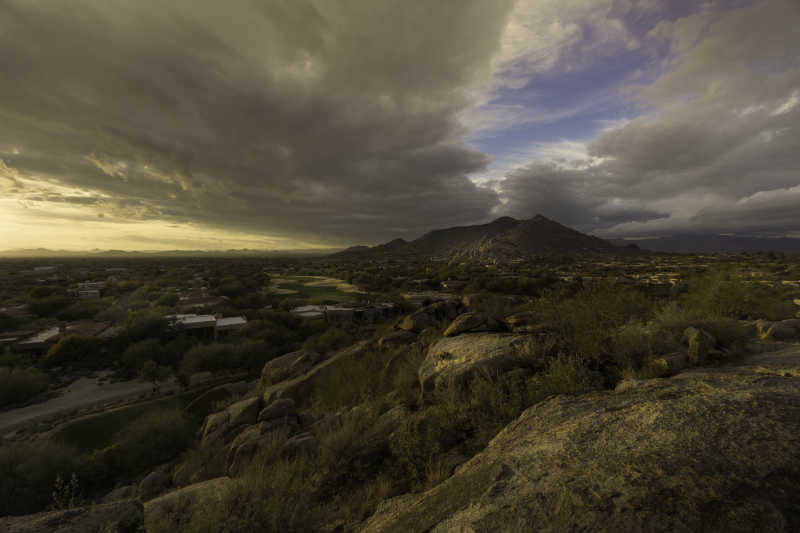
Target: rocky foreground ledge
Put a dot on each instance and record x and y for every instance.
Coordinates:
(712, 449)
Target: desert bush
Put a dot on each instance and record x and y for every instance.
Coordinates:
(583, 324)
(214, 357)
(252, 354)
(722, 293)
(49, 305)
(497, 306)
(330, 340)
(275, 498)
(18, 385)
(355, 380)
(134, 357)
(28, 472)
(424, 437)
(82, 309)
(635, 343)
(66, 493)
(569, 374)
(145, 324)
(201, 462)
(146, 442)
(72, 349)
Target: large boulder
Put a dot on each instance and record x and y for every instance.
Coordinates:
(429, 316)
(706, 450)
(280, 408)
(300, 387)
(792, 323)
(467, 322)
(126, 492)
(154, 484)
(669, 364)
(700, 343)
(397, 338)
(157, 511)
(215, 425)
(451, 358)
(119, 517)
(244, 412)
(207, 402)
(288, 366)
(780, 331)
(244, 448)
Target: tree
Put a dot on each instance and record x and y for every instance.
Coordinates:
(152, 371)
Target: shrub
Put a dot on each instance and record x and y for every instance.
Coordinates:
(202, 462)
(146, 324)
(18, 385)
(28, 472)
(82, 309)
(136, 354)
(568, 374)
(214, 357)
(49, 305)
(584, 323)
(274, 498)
(332, 339)
(72, 349)
(146, 442)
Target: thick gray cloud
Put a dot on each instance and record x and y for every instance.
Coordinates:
(717, 147)
(321, 120)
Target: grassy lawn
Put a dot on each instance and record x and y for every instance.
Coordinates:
(318, 295)
(98, 431)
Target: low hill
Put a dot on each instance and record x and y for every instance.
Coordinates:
(706, 244)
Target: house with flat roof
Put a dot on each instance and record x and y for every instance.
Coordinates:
(206, 325)
(39, 341)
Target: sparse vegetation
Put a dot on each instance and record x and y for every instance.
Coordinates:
(375, 435)
(17, 385)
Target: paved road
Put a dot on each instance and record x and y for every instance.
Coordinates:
(82, 393)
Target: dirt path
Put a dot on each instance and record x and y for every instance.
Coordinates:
(80, 394)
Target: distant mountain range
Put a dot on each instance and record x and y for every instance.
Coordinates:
(44, 253)
(504, 238)
(698, 244)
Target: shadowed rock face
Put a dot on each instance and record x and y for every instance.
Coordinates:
(122, 517)
(706, 450)
(451, 358)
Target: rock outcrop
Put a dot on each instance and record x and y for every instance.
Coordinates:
(429, 316)
(154, 484)
(705, 450)
(472, 322)
(669, 364)
(120, 517)
(397, 338)
(157, 511)
(300, 386)
(288, 366)
(206, 403)
(451, 358)
(700, 344)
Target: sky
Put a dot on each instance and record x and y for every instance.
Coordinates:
(279, 124)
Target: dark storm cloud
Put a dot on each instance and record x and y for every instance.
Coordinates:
(310, 119)
(583, 198)
(717, 148)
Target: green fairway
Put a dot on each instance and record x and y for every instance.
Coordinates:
(97, 431)
(309, 288)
